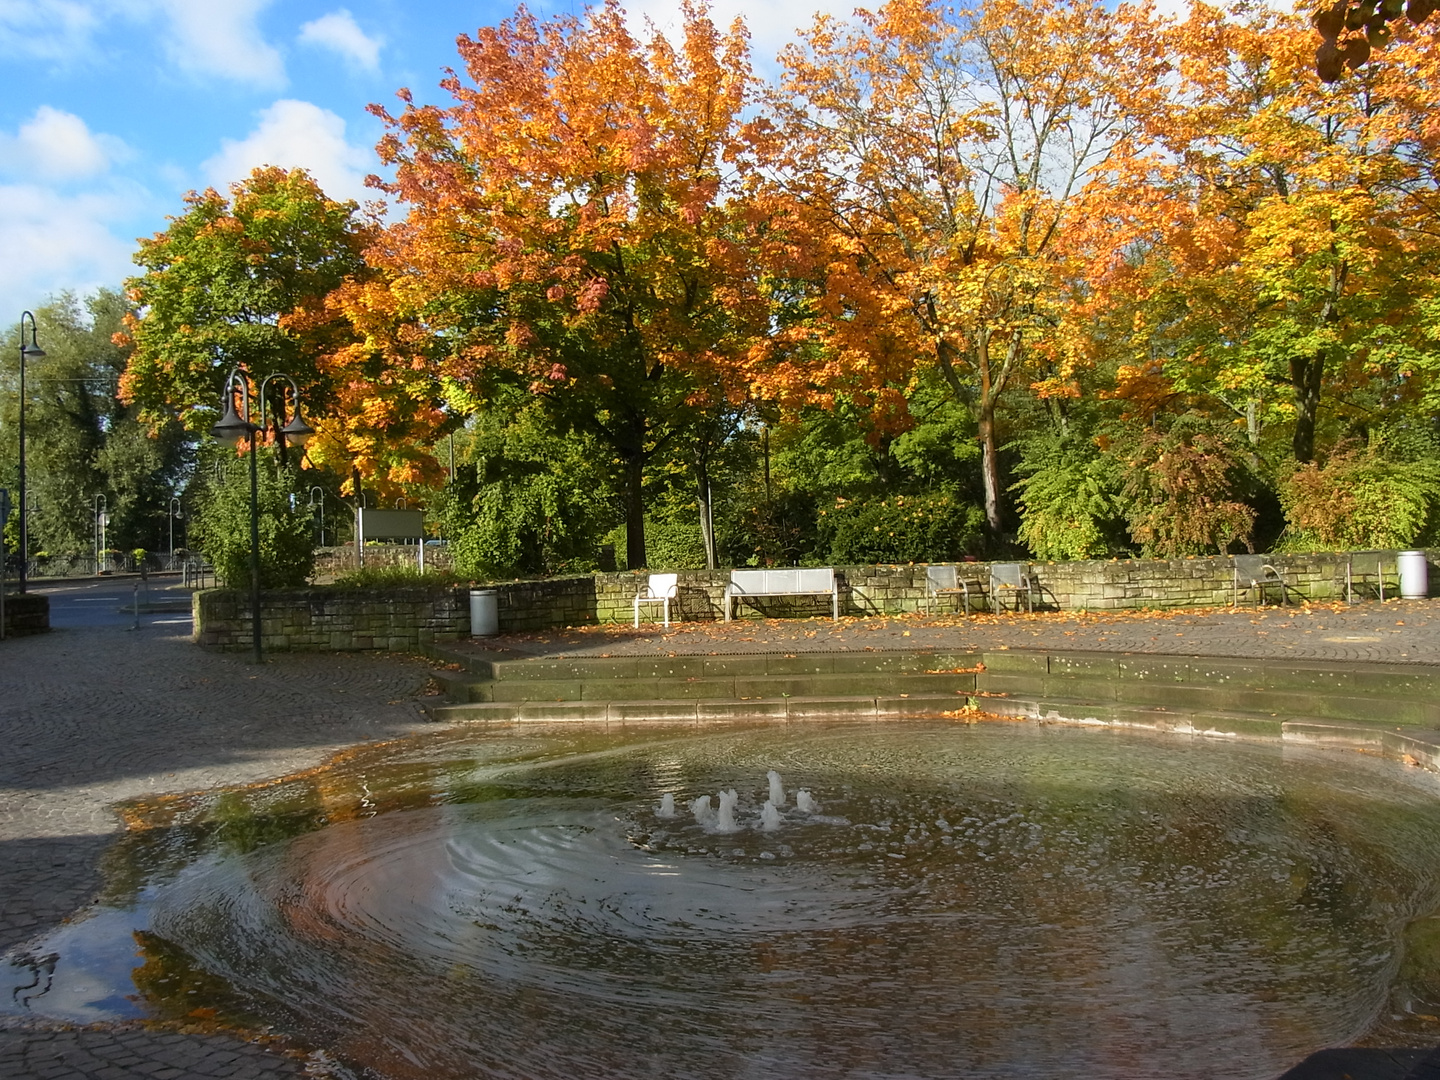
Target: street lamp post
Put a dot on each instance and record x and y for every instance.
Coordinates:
(233, 427)
(174, 513)
(32, 351)
(102, 513)
(319, 505)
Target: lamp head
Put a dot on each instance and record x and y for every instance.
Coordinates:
(230, 428)
(31, 351)
(297, 432)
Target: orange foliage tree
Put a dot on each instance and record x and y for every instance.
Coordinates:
(1273, 256)
(927, 165)
(571, 228)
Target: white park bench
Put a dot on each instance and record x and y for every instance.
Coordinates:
(794, 582)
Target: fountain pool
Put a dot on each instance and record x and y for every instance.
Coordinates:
(865, 901)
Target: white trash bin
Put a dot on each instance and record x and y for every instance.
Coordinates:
(484, 613)
(1414, 575)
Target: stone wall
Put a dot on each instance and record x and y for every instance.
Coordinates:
(339, 620)
(893, 590)
(407, 619)
(27, 614)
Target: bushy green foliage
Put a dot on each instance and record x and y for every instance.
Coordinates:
(221, 527)
(1069, 500)
(674, 544)
(901, 529)
(535, 525)
(1360, 499)
(1183, 489)
(771, 532)
(536, 501)
(396, 577)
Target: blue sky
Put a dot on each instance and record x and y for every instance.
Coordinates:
(114, 109)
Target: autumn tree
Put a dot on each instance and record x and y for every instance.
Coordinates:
(1274, 251)
(242, 280)
(571, 230)
(932, 161)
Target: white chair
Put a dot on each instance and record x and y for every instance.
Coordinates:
(660, 589)
(1014, 578)
(946, 581)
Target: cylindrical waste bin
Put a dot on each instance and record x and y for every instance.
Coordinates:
(484, 612)
(1414, 575)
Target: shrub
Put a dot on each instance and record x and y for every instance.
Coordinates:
(776, 532)
(1070, 502)
(1183, 490)
(900, 529)
(396, 577)
(222, 528)
(1359, 500)
(539, 525)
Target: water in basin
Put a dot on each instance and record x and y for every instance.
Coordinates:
(819, 900)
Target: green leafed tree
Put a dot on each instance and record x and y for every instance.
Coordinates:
(81, 439)
(221, 527)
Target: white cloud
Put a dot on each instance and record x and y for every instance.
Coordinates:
(58, 242)
(55, 30)
(338, 32)
(59, 146)
(297, 134)
(772, 26)
(220, 37)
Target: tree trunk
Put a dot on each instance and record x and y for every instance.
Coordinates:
(707, 532)
(635, 512)
(1306, 376)
(990, 467)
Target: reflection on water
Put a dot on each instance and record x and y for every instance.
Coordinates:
(951, 900)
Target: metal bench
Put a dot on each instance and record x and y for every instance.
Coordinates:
(659, 589)
(796, 582)
(946, 581)
(1253, 572)
(1012, 577)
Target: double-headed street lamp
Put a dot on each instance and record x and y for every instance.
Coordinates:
(232, 428)
(31, 351)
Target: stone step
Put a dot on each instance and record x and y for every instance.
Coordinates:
(1391, 680)
(501, 667)
(682, 711)
(1221, 697)
(741, 687)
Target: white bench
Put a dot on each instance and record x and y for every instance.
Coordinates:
(795, 582)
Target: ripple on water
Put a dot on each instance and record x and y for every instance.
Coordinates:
(968, 902)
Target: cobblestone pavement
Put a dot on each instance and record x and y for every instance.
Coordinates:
(1398, 631)
(92, 714)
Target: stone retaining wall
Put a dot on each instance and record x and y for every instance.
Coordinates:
(338, 620)
(404, 619)
(27, 614)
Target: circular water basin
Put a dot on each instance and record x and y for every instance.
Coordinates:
(972, 901)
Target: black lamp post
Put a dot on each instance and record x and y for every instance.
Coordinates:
(31, 351)
(232, 428)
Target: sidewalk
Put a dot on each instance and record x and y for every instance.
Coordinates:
(93, 714)
(1399, 631)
